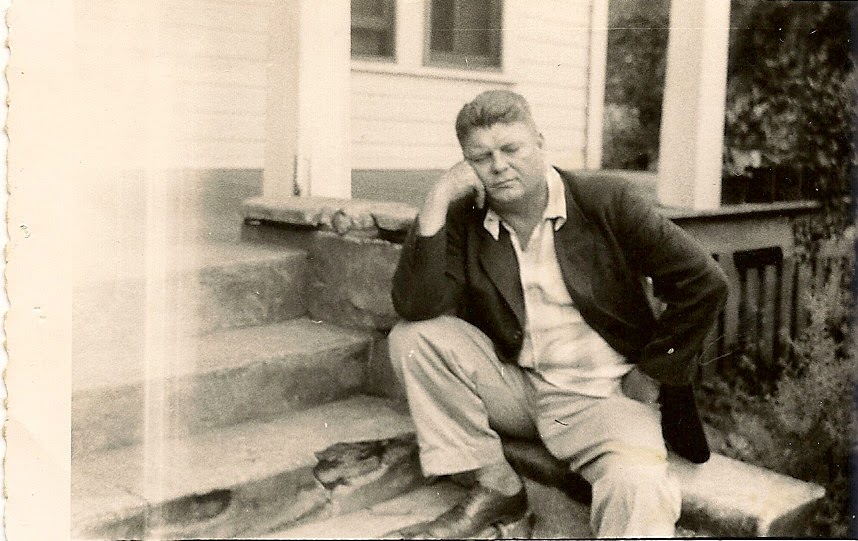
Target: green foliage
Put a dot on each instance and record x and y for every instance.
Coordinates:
(791, 92)
(626, 143)
(634, 83)
(813, 407)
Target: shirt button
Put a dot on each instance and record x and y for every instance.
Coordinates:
(670, 351)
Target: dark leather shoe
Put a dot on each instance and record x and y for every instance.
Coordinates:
(483, 513)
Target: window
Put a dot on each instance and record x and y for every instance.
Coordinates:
(373, 29)
(465, 33)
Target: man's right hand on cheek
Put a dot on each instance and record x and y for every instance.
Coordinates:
(458, 182)
(461, 181)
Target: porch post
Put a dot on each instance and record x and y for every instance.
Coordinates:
(308, 119)
(598, 58)
(692, 123)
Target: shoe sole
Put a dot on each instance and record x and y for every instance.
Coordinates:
(517, 528)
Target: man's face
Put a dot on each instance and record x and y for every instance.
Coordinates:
(509, 160)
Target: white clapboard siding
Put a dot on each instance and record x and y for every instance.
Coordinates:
(184, 84)
(173, 84)
(405, 121)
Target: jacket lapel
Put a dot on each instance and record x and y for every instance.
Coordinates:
(497, 257)
(573, 243)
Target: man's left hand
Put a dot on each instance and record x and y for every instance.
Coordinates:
(641, 387)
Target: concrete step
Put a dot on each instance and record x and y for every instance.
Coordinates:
(243, 480)
(192, 289)
(721, 498)
(218, 379)
(555, 515)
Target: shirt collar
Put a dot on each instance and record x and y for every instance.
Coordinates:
(555, 209)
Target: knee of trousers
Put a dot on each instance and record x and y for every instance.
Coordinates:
(406, 337)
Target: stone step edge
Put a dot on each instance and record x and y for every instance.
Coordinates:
(372, 522)
(206, 259)
(723, 496)
(224, 341)
(353, 217)
(230, 490)
(233, 376)
(554, 515)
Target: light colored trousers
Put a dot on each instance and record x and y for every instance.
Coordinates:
(461, 396)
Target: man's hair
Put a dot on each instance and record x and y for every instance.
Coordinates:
(493, 107)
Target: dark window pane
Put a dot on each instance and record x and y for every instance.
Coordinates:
(373, 28)
(466, 33)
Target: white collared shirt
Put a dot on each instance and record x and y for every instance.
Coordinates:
(558, 344)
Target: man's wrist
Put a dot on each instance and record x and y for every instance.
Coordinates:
(433, 215)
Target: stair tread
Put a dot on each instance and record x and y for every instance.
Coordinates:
(723, 495)
(223, 458)
(418, 505)
(225, 349)
(556, 516)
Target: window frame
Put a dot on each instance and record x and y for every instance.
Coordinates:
(385, 22)
(463, 61)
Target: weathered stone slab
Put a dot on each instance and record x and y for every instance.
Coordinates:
(250, 292)
(350, 279)
(356, 217)
(723, 497)
(243, 480)
(416, 506)
(369, 471)
(729, 497)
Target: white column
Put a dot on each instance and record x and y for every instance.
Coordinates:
(308, 125)
(692, 123)
(596, 89)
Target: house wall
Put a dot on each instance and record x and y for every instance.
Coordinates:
(172, 84)
(183, 84)
(403, 112)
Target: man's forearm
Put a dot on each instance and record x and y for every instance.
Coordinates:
(432, 216)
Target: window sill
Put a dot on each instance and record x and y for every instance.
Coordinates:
(432, 72)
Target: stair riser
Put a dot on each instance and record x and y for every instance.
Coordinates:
(238, 295)
(250, 294)
(113, 417)
(350, 281)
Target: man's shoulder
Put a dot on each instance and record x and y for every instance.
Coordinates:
(595, 190)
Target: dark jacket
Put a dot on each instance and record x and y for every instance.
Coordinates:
(611, 242)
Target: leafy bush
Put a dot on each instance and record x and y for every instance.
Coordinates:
(791, 93)
(791, 96)
(634, 83)
(813, 406)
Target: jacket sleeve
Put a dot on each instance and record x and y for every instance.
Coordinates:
(686, 278)
(430, 276)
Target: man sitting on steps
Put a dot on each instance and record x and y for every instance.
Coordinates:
(525, 291)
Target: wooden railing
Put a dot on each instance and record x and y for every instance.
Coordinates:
(770, 283)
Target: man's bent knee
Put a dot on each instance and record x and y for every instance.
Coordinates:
(407, 337)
